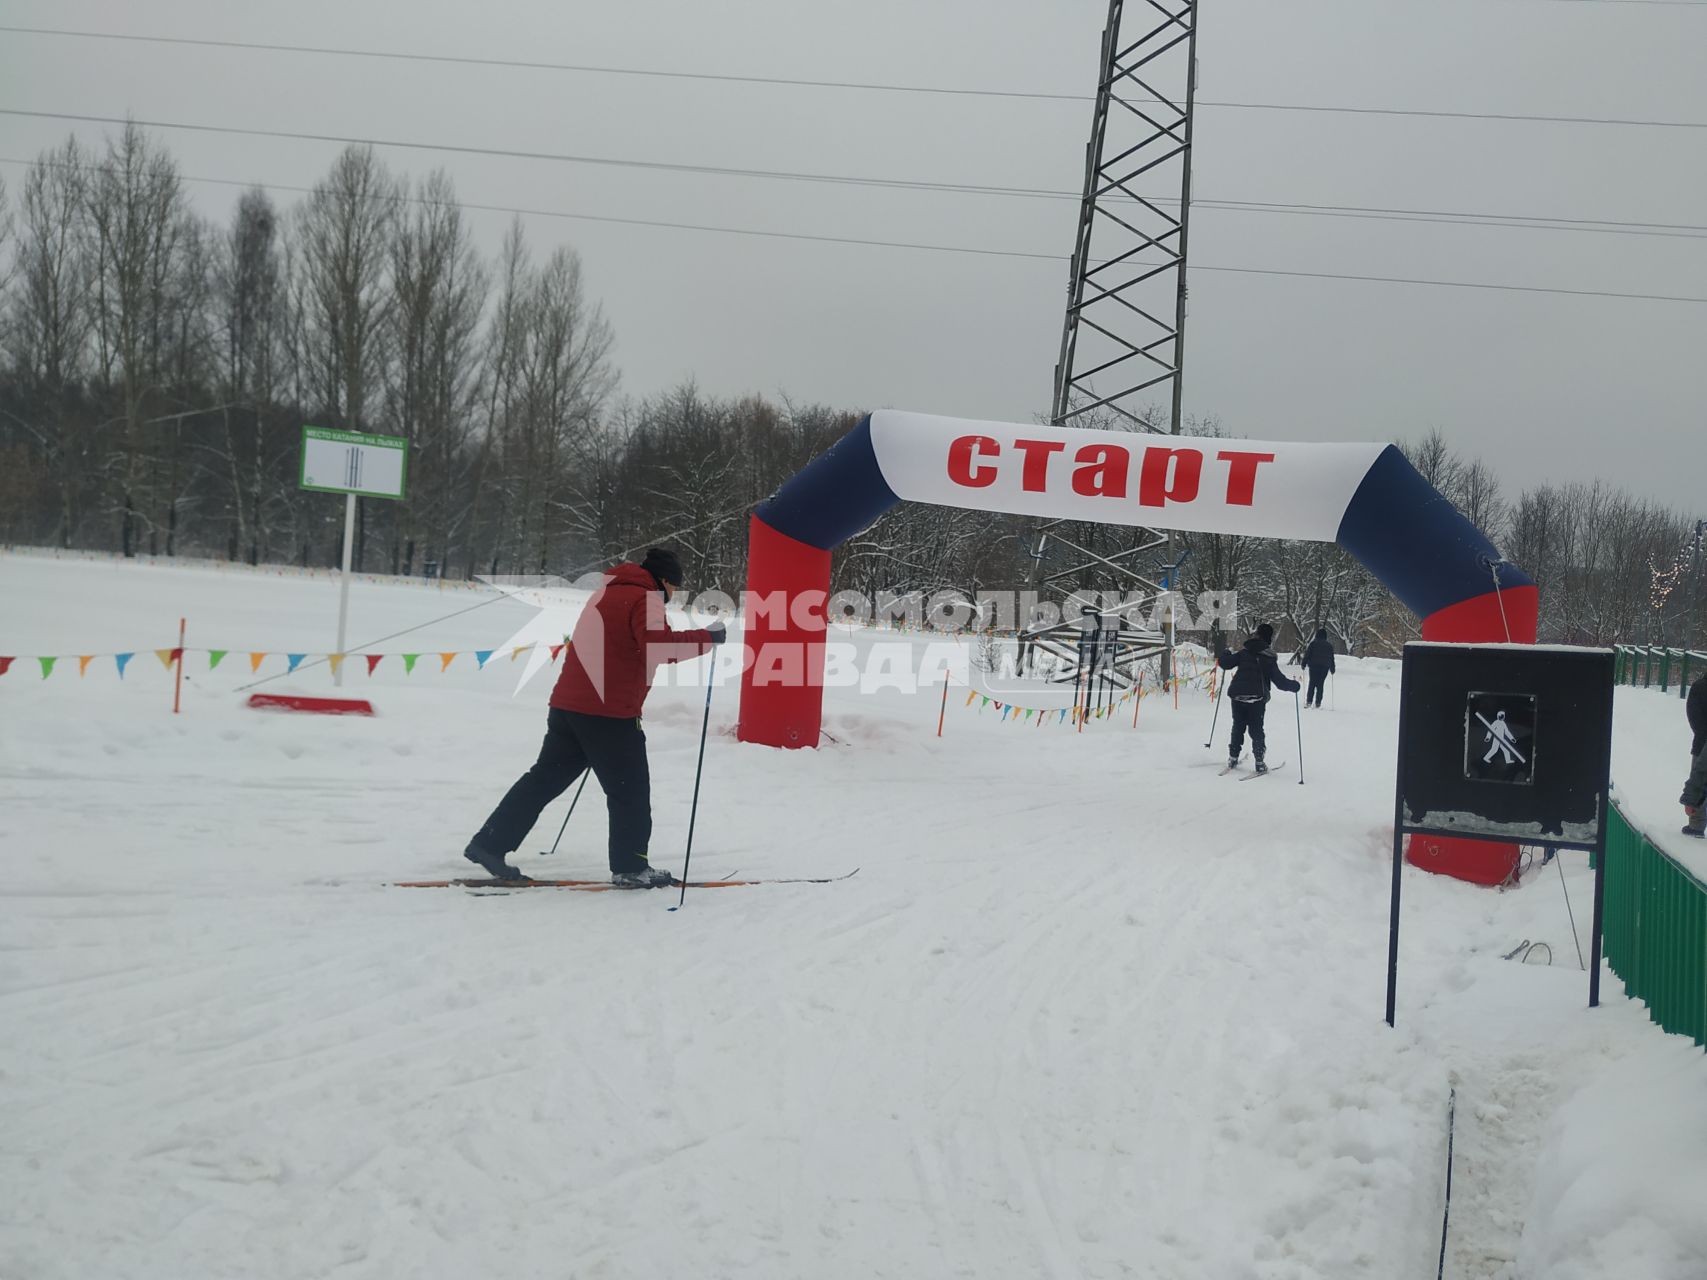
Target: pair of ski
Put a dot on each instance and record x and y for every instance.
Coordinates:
(1276, 767)
(605, 886)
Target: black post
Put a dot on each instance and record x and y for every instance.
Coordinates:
(1398, 858)
(1221, 692)
(1599, 919)
(1079, 671)
(1393, 922)
(693, 813)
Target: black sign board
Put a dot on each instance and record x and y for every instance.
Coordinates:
(1504, 742)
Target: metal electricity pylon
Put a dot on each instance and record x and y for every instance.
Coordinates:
(1123, 339)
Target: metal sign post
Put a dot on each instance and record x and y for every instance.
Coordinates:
(1503, 742)
(355, 465)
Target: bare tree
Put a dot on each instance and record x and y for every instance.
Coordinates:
(346, 228)
(250, 301)
(51, 313)
(439, 287)
(137, 221)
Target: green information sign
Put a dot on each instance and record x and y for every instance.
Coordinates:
(353, 462)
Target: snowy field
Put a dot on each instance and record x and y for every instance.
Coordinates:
(1087, 1010)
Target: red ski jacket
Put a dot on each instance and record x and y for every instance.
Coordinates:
(620, 639)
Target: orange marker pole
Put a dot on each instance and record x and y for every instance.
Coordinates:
(1137, 698)
(943, 712)
(178, 684)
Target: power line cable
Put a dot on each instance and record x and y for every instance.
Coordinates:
(1678, 230)
(1445, 217)
(1037, 256)
(1011, 253)
(512, 154)
(871, 86)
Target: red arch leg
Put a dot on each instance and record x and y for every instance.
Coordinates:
(783, 669)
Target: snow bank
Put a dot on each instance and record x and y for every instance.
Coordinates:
(1622, 1176)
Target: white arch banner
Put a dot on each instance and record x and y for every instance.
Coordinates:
(1261, 488)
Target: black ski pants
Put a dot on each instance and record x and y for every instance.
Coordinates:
(616, 752)
(1248, 715)
(1318, 682)
(1695, 789)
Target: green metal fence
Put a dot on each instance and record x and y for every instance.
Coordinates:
(1655, 930)
(1653, 667)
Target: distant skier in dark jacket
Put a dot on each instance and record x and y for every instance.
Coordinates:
(1695, 790)
(1319, 658)
(1255, 668)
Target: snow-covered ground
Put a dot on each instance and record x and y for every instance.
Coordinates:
(1087, 1010)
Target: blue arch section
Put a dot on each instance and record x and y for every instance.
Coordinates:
(1400, 528)
(837, 494)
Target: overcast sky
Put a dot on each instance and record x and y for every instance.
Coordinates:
(1544, 387)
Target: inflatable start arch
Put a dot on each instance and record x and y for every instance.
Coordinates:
(1365, 497)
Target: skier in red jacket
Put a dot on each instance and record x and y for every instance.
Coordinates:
(620, 640)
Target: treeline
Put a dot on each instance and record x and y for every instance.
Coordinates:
(157, 368)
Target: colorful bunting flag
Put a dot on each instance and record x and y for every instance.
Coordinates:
(409, 662)
(46, 666)
(214, 656)
(555, 650)
(5, 665)
(445, 659)
(970, 694)
(83, 664)
(295, 660)
(165, 656)
(372, 661)
(337, 661)
(255, 660)
(480, 656)
(519, 650)
(123, 660)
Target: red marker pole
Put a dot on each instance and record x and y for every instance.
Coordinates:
(943, 711)
(178, 683)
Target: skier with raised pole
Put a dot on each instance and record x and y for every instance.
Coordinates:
(1255, 668)
(620, 640)
(1319, 660)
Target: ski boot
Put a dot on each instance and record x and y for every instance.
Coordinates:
(645, 878)
(1697, 823)
(492, 863)
(1261, 767)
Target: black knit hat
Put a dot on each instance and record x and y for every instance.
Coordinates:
(662, 564)
(1265, 633)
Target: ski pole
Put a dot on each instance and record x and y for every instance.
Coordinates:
(572, 803)
(1298, 717)
(1219, 691)
(699, 769)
